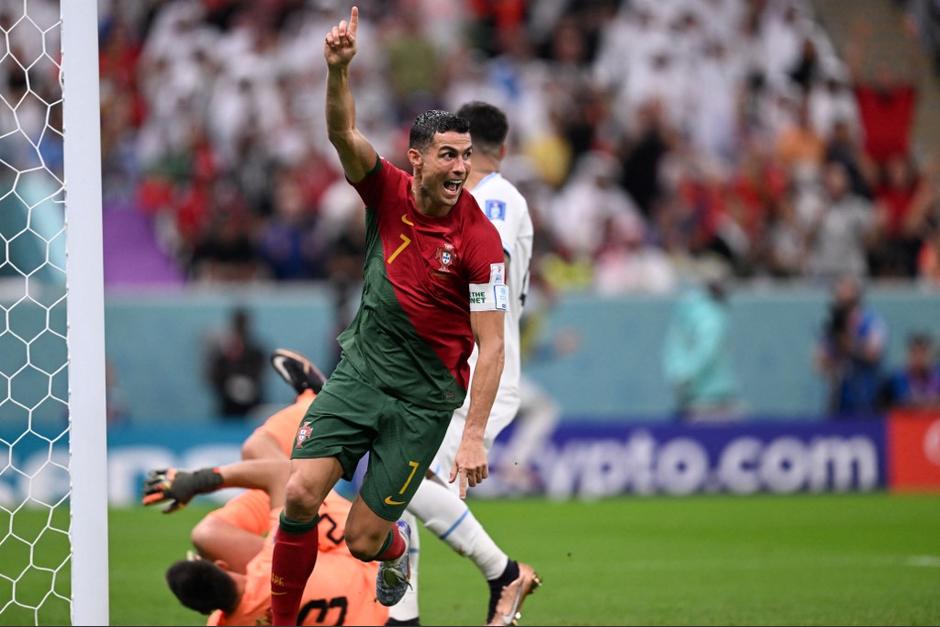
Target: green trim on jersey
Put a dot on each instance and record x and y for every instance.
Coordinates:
(384, 346)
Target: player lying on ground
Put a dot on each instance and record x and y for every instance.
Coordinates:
(233, 579)
(434, 283)
(439, 508)
(340, 592)
(227, 533)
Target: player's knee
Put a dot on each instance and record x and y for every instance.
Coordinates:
(363, 547)
(301, 502)
(364, 544)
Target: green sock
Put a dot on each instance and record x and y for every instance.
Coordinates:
(386, 544)
(296, 527)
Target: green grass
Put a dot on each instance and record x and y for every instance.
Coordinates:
(846, 559)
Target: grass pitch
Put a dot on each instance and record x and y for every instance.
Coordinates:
(710, 560)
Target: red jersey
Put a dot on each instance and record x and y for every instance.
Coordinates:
(411, 337)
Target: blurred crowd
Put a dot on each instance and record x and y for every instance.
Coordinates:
(924, 16)
(650, 137)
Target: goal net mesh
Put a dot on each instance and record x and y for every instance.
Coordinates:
(34, 420)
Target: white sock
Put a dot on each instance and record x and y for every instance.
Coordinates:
(447, 517)
(407, 608)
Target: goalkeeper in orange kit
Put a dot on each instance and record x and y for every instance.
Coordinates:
(232, 581)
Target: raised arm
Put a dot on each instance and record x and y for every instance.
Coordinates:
(355, 152)
(470, 463)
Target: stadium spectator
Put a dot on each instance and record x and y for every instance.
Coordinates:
(886, 103)
(784, 252)
(226, 251)
(589, 204)
(903, 201)
(697, 354)
(626, 263)
(843, 147)
(799, 144)
(831, 101)
(850, 351)
(287, 242)
(234, 368)
(925, 18)
(928, 261)
(917, 384)
(841, 230)
(643, 151)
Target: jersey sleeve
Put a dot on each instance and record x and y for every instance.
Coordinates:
(485, 269)
(506, 215)
(379, 181)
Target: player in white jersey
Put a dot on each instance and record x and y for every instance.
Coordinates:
(437, 502)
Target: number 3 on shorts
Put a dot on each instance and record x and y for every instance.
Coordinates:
(414, 468)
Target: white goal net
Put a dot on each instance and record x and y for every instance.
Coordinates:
(47, 370)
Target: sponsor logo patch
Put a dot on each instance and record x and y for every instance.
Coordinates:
(495, 209)
(497, 274)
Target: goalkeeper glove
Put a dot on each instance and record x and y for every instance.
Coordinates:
(178, 486)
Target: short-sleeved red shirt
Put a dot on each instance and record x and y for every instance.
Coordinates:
(423, 275)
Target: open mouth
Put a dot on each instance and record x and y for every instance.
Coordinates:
(453, 185)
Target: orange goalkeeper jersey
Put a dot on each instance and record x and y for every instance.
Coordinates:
(341, 590)
(250, 510)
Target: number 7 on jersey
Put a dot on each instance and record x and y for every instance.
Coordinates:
(405, 240)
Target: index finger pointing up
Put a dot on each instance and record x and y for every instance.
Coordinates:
(353, 21)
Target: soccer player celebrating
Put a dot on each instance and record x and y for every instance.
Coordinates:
(440, 508)
(434, 283)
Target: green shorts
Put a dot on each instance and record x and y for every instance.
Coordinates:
(350, 418)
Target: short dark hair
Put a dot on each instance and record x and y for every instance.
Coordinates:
(432, 122)
(202, 586)
(488, 125)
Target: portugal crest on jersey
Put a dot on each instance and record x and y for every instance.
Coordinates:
(304, 433)
(446, 257)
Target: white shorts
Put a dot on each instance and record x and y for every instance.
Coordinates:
(505, 408)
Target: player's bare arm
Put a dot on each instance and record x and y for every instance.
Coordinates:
(179, 487)
(269, 475)
(470, 463)
(355, 152)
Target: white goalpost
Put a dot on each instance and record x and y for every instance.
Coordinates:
(53, 455)
(88, 467)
